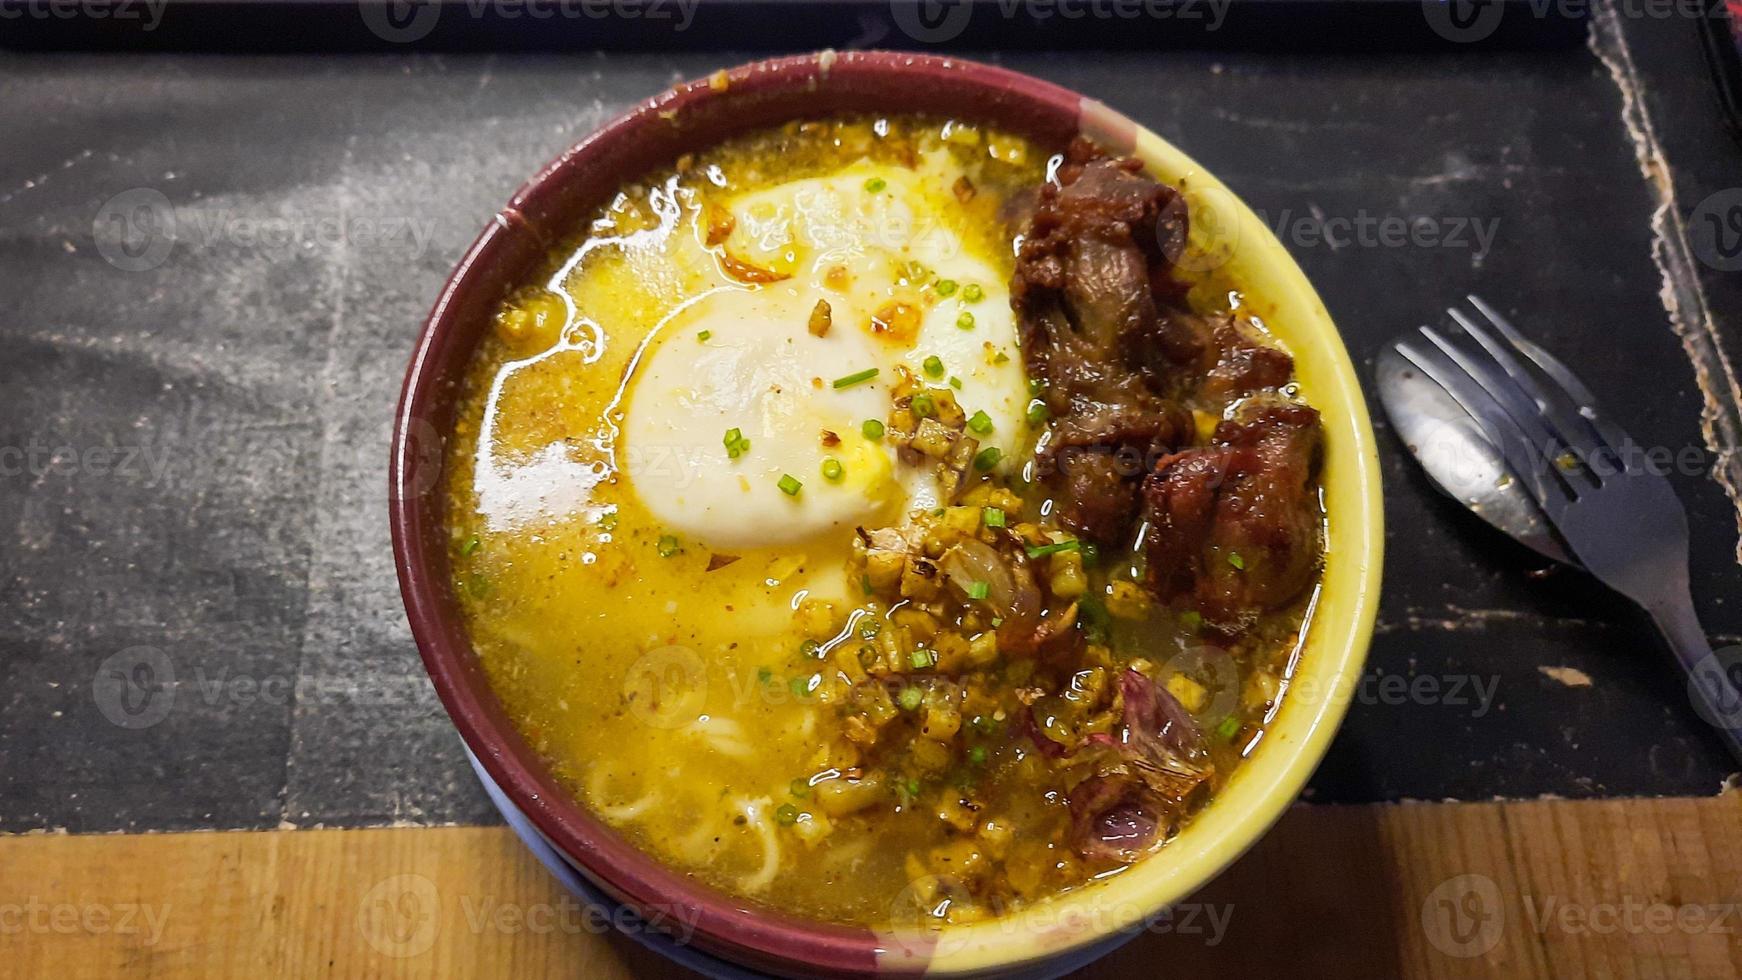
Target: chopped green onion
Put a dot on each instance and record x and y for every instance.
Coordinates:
(872, 429)
(920, 658)
(871, 628)
(832, 469)
(909, 698)
(764, 675)
(1091, 553)
(997, 621)
(1038, 413)
(1000, 359)
(946, 287)
(965, 320)
(786, 814)
(987, 458)
(471, 547)
(1036, 386)
(876, 185)
(979, 590)
(800, 787)
(736, 444)
(992, 517)
(955, 382)
(973, 293)
(934, 366)
(923, 406)
(1229, 727)
(702, 338)
(608, 520)
(810, 648)
(865, 583)
(789, 485)
(1192, 620)
(1235, 560)
(668, 546)
(855, 378)
(980, 423)
(912, 786)
(977, 755)
(1041, 551)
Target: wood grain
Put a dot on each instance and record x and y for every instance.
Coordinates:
(1634, 888)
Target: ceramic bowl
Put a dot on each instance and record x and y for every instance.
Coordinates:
(1229, 244)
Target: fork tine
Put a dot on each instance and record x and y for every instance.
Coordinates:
(1566, 430)
(1609, 433)
(1550, 366)
(1496, 423)
(1562, 409)
(1548, 449)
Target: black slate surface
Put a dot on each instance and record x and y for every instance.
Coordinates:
(192, 454)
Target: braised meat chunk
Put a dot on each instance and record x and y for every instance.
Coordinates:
(1085, 288)
(1095, 334)
(1096, 461)
(1244, 364)
(1236, 525)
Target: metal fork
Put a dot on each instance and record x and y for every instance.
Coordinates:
(1618, 516)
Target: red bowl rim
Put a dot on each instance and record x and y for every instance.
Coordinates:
(740, 930)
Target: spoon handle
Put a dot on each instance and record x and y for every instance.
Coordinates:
(1714, 691)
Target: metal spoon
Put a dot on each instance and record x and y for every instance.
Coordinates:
(1458, 458)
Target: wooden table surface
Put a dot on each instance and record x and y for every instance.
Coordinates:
(1553, 888)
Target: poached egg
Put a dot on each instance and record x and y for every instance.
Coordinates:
(825, 290)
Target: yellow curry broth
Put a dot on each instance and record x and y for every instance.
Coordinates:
(675, 700)
(680, 690)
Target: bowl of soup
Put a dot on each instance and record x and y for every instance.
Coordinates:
(884, 513)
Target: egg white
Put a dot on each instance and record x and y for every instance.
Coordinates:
(742, 356)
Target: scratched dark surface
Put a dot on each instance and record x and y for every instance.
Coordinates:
(235, 541)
